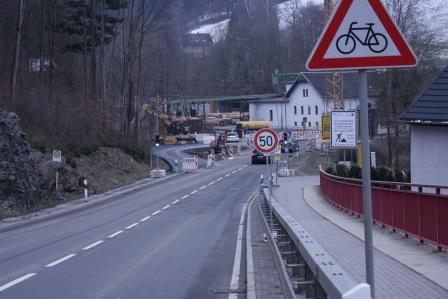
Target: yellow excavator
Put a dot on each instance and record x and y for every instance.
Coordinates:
(176, 130)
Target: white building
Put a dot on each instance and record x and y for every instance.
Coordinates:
(305, 101)
(428, 118)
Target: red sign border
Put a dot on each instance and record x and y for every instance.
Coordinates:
(316, 61)
(263, 131)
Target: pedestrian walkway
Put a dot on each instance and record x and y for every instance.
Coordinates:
(393, 279)
(267, 279)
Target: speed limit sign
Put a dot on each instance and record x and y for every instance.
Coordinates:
(265, 140)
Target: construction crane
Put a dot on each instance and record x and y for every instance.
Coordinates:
(335, 80)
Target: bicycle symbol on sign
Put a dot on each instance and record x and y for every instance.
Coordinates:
(376, 42)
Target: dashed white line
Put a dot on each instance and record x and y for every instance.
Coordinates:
(211, 183)
(185, 196)
(193, 192)
(166, 207)
(175, 202)
(234, 171)
(156, 212)
(218, 179)
(227, 175)
(16, 281)
(203, 187)
(93, 245)
(60, 260)
(144, 219)
(132, 225)
(245, 166)
(241, 168)
(115, 234)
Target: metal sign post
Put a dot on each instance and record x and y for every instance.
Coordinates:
(366, 182)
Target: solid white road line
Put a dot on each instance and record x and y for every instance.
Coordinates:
(203, 187)
(16, 281)
(211, 183)
(234, 171)
(227, 175)
(241, 168)
(60, 260)
(193, 192)
(219, 179)
(132, 225)
(156, 212)
(115, 234)
(166, 207)
(185, 196)
(234, 283)
(93, 245)
(144, 219)
(175, 202)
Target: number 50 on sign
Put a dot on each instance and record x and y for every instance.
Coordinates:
(265, 140)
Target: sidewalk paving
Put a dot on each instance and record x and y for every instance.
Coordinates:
(393, 279)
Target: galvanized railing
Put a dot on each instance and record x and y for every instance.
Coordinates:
(311, 270)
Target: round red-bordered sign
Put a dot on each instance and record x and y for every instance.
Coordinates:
(266, 140)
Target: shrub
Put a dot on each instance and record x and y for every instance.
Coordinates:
(341, 170)
(329, 170)
(137, 152)
(88, 148)
(385, 174)
(355, 172)
(399, 176)
(39, 145)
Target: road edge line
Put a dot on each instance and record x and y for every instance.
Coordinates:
(250, 271)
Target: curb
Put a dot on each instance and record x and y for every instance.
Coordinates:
(250, 271)
(91, 202)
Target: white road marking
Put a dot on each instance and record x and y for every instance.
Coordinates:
(227, 175)
(132, 225)
(211, 183)
(234, 283)
(193, 192)
(156, 212)
(175, 202)
(16, 281)
(93, 245)
(219, 178)
(60, 260)
(203, 187)
(144, 219)
(185, 196)
(241, 168)
(166, 207)
(245, 166)
(234, 171)
(115, 234)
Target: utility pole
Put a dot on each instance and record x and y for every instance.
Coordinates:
(157, 128)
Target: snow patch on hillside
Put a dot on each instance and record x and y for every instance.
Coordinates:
(217, 31)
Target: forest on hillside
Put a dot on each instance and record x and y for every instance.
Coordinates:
(80, 69)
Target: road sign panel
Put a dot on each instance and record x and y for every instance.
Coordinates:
(343, 129)
(361, 35)
(265, 140)
(57, 156)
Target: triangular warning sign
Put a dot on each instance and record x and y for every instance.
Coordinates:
(361, 35)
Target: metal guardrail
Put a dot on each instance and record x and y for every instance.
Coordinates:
(312, 271)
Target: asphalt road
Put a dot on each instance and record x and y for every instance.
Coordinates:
(177, 152)
(175, 239)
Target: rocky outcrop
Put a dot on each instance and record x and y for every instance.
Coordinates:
(19, 178)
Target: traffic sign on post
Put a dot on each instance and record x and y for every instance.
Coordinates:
(344, 133)
(361, 35)
(265, 140)
(57, 156)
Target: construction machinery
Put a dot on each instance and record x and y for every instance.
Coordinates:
(177, 130)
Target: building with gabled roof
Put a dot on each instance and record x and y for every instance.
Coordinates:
(428, 119)
(305, 101)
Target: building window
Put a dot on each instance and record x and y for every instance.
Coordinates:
(316, 108)
(295, 110)
(309, 124)
(295, 124)
(317, 124)
(309, 110)
(271, 115)
(305, 93)
(301, 108)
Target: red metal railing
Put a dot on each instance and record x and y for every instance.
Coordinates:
(420, 211)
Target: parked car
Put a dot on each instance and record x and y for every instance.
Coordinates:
(259, 158)
(233, 137)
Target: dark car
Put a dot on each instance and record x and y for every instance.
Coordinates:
(259, 158)
(289, 147)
